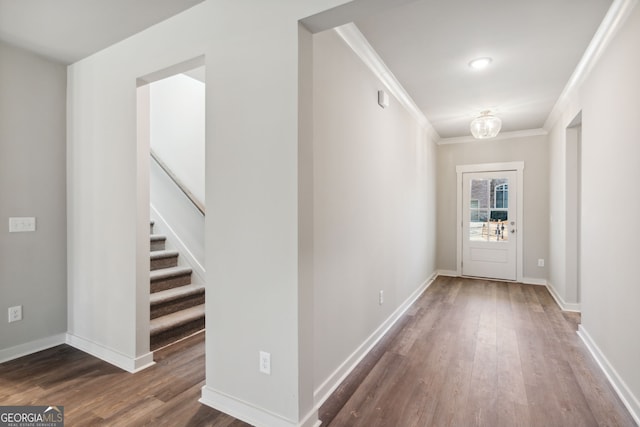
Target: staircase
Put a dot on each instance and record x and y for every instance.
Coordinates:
(177, 305)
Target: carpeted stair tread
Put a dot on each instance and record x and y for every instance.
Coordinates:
(175, 293)
(166, 273)
(163, 254)
(176, 305)
(173, 320)
(162, 258)
(158, 242)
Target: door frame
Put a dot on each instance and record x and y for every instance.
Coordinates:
(518, 167)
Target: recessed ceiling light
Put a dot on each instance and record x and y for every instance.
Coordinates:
(480, 63)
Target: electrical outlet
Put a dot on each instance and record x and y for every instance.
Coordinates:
(265, 362)
(15, 313)
(541, 262)
(381, 297)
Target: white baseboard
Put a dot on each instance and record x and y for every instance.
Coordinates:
(31, 347)
(448, 273)
(525, 280)
(325, 390)
(116, 358)
(249, 413)
(564, 306)
(256, 416)
(534, 281)
(186, 255)
(311, 420)
(630, 401)
(259, 417)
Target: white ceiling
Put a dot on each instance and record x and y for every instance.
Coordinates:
(427, 44)
(69, 30)
(197, 73)
(535, 46)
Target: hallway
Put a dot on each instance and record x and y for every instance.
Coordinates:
(468, 352)
(479, 353)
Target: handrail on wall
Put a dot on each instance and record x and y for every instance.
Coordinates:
(197, 203)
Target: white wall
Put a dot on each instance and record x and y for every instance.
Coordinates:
(609, 251)
(610, 176)
(251, 54)
(534, 152)
(305, 215)
(33, 270)
(176, 109)
(177, 218)
(373, 206)
(177, 128)
(572, 214)
(557, 212)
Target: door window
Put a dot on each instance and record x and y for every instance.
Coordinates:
(489, 210)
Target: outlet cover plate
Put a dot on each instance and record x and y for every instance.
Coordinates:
(15, 313)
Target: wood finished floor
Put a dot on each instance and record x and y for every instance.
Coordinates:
(479, 353)
(95, 393)
(467, 353)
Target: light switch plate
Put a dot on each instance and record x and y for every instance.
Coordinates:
(22, 224)
(265, 362)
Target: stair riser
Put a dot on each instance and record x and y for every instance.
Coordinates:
(157, 245)
(170, 283)
(169, 310)
(159, 263)
(170, 336)
(176, 305)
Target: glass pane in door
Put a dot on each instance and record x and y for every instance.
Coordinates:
(489, 210)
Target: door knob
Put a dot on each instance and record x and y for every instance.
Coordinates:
(513, 230)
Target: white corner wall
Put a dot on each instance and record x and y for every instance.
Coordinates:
(610, 293)
(533, 151)
(610, 176)
(177, 128)
(33, 270)
(251, 54)
(557, 264)
(373, 209)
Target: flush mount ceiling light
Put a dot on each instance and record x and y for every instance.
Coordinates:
(485, 126)
(480, 63)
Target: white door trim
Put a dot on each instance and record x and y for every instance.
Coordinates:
(492, 167)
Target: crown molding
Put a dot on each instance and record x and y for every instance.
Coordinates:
(611, 24)
(501, 136)
(352, 36)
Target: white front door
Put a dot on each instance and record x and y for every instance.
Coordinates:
(489, 228)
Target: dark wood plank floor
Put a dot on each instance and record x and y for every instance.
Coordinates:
(95, 393)
(479, 353)
(468, 353)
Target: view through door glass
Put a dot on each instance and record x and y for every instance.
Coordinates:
(489, 210)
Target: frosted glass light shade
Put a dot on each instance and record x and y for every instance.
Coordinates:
(480, 63)
(486, 126)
